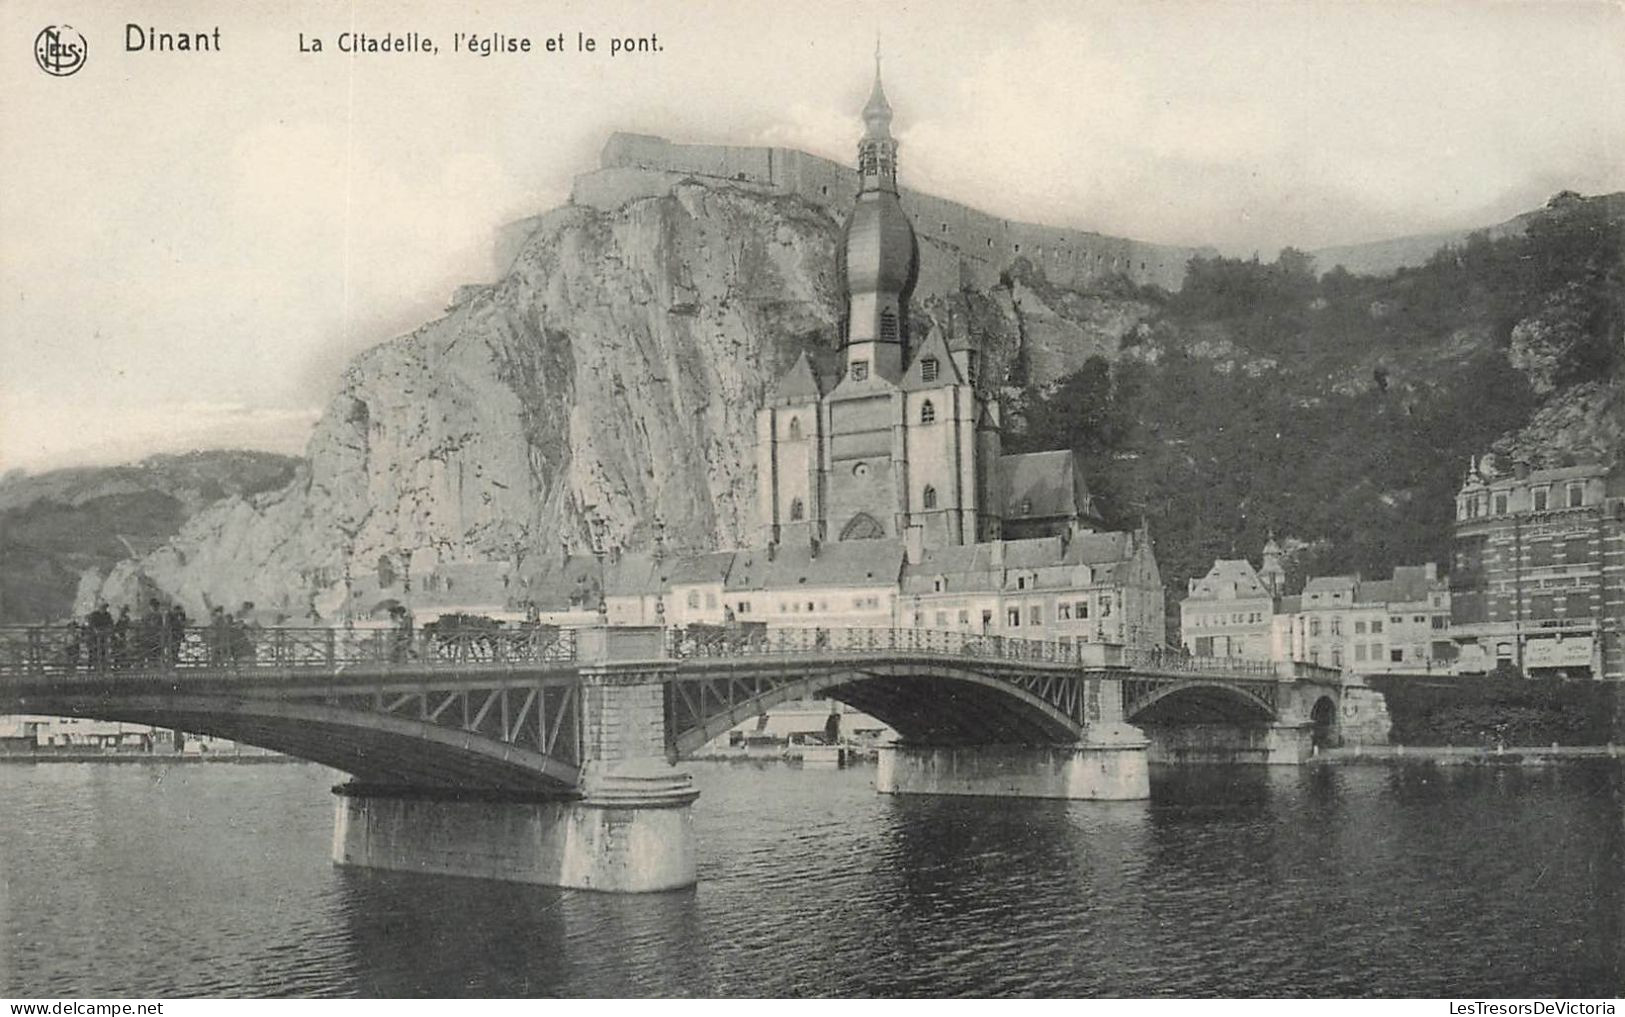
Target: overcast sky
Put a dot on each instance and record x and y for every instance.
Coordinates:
(191, 245)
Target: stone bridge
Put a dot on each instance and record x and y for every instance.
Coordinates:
(546, 755)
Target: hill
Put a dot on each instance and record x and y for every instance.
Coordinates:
(56, 526)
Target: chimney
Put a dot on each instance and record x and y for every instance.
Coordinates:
(1431, 571)
(914, 543)
(998, 554)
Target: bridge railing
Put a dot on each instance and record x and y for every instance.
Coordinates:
(710, 642)
(82, 650)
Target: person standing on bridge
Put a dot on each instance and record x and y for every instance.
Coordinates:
(101, 636)
(403, 634)
(219, 635)
(174, 634)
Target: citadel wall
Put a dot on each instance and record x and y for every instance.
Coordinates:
(635, 166)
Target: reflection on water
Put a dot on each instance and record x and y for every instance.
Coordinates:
(215, 880)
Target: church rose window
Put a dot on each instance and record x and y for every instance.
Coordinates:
(928, 412)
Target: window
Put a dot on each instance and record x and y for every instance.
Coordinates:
(1576, 605)
(1441, 622)
(929, 497)
(1359, 628)
(1081, 610)
(928, 412)
(1314, 626)
(888, 326)
(1577, 495)
(1501, 504)
(942, 619)
(1063, 611)
(1105, 607)
(1027, 507)
(1035, 615)
(744, 607)
(1397, 654)
(860, 370)
(795, 429)
(937, 584)
(1540, 494)
(1337, 625)
(694, 599)
(1359, 651)
(1012, 618)
(1337, 656)
(1420, 619)
(796, 510)
(1376, 627)
(964, 616)
(1021, 582)
(1576, 550)
(928, 369)
(710, 600)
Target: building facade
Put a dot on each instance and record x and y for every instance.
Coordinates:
(1538, 578)
(1228, 613)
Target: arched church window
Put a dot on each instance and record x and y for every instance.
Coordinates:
(928, 412)
(795, 428)
(888, 326)
(796, 510)
(929, 497)
(863, 527)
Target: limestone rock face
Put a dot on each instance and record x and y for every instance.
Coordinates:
(610, 378)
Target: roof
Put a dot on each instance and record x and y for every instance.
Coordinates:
(1330, 584)
(1413, 583)
(1229, 577)
(630, 575)
(841, 563)
(798, 384)
(948, 373)
(1100, 548)
(1037, 485)
(700, 568)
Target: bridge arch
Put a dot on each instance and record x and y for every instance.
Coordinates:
(1197, 701)
(938, 703)
(373, 747)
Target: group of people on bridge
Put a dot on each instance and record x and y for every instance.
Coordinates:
(158, 638)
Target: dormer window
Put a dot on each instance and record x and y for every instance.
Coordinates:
(928, 369)
(860, 370)
(928, 412)
(1027, 506)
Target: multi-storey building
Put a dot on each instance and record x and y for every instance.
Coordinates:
(1228, 612)
(1387, 625)
(1538, 581)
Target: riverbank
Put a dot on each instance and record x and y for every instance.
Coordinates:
(149, 758)
(1464, 755)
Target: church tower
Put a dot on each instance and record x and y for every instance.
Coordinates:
(879, 255)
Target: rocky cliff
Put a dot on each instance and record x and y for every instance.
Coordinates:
(60, 526)
(608, 379)
(604, 388)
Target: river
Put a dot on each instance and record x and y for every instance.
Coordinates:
(203, 880)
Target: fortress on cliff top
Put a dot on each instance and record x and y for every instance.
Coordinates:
(636, 166)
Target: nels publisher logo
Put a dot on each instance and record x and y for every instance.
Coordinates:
(60, 50)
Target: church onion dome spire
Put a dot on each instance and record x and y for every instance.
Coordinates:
(879, 254)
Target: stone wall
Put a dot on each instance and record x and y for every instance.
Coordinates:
(639, 166)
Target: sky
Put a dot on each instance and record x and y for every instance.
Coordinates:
(192, 245)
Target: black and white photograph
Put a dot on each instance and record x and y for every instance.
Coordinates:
(850, 500)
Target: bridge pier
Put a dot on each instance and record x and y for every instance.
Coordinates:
(626, 828)
(630, 833)
(1109, 765)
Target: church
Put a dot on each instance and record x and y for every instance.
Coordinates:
(904, 443)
